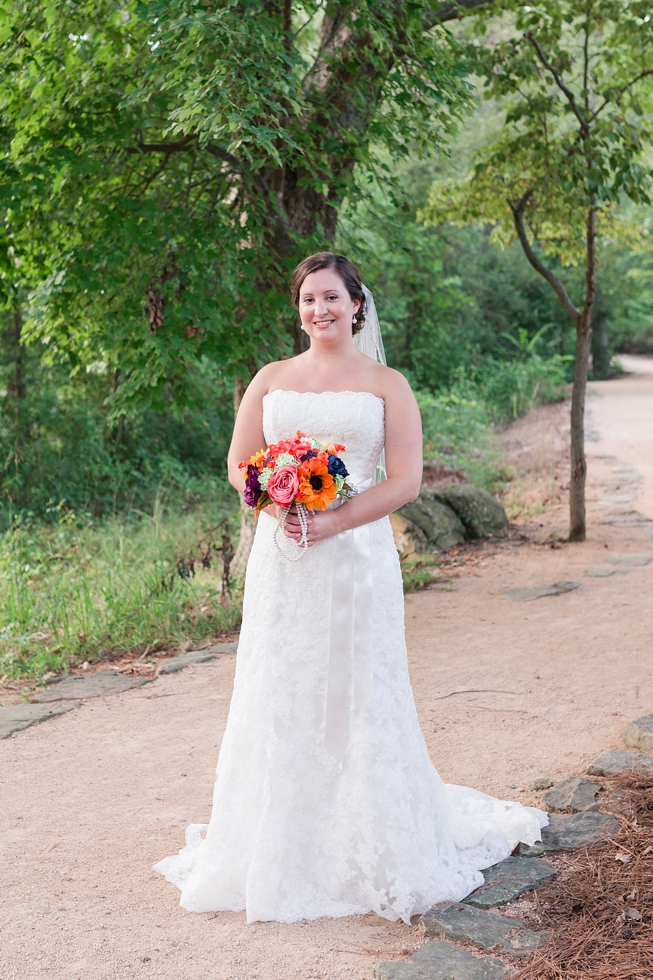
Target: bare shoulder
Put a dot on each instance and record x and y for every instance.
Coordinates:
(392, 385)
(266, 380)
(272, 375)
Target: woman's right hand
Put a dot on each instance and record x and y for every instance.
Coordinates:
(292, 526)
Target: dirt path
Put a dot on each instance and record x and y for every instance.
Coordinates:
(90, 800)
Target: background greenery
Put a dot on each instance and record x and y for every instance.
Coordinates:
(143, 271)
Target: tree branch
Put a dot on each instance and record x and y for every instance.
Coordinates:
(518, 209)
(621, 91)
(177, 147)
(453, 11)
(584, 123)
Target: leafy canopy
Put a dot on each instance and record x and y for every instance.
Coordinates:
(164, 166)
(574, 81)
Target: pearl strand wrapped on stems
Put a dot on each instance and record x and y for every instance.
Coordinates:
(281, 526)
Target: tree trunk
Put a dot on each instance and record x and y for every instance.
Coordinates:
(247, 515)
(577, 524)
(600, 347)
(577, 528)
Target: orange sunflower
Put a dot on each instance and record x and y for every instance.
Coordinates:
(317, 488)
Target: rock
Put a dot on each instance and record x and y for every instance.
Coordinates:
(541, 783)
(466, 924)
(539, 591)
(479, 512)
(437, 521)
(633, 561)
(506, 881)
(567, 831)
(409, 538)
(631, 518)
(438, 960)
(573, 794)
(173, 664)
(616, 761)
(606, 572)
(79, 686)
(630, 914)
(16, 717)
(639, 733)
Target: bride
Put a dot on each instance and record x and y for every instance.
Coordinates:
(326, 802)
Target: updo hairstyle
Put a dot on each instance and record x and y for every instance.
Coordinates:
(344, 268)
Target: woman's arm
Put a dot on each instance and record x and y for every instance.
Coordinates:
(248, 435)
(403, 459)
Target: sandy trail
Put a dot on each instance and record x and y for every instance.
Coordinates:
(90, 800)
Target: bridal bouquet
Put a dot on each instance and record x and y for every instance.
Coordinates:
(302, 471)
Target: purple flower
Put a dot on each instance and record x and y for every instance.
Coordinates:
(252, 486)
(311, 454)
(336, 466)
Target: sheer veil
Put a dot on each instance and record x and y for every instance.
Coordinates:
(369, 341)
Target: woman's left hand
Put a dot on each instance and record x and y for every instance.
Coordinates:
(321, 525)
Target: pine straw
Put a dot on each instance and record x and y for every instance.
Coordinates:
(584, 906)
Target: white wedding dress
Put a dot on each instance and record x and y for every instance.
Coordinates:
(326, 802)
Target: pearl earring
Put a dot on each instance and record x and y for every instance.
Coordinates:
(354, 319)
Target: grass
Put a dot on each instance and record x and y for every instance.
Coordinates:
(460, 424)
(77, 591)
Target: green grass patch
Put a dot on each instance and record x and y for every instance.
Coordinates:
(460, 424)
(421, 571)
(70, 591)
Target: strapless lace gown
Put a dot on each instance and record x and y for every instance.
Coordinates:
(326, 802)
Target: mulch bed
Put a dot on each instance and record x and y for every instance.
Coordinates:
(600, 907)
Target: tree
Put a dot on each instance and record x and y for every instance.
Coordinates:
(177, 158)
(575, 81)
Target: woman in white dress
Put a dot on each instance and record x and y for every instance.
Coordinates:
(326, 802)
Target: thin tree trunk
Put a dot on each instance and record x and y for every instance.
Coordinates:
(600, 346)
(247, 515)
(577, 523)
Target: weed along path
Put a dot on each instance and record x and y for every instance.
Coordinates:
(509, 688)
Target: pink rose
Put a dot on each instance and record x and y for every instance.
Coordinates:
(283, 486)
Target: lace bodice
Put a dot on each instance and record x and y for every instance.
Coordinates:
(354, 418)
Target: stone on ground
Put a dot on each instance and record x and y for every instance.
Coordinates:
(409, 538)
(437, 521)
(606, 572)
(79, 686)
(465, 924)
(173, 664)
(539, 591)
(438, 960)
(506, 881)
(634, 561)
(541, 783)
(617, 761)
(639, 733)
(567, 831)
(573, 794)
(479, 512)
(16, 717)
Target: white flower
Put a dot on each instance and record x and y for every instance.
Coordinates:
(285, 459)
(264, 477)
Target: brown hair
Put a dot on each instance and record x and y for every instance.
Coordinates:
(345, 269)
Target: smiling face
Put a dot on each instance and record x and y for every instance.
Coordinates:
(325, 306)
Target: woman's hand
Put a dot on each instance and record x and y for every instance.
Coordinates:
(321, 525)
